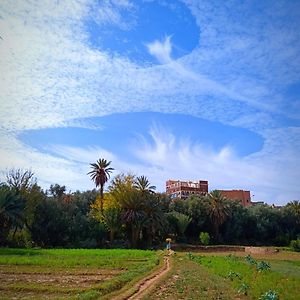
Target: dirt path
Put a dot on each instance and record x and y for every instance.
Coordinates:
(143, 286)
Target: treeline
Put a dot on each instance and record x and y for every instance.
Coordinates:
(131, 214)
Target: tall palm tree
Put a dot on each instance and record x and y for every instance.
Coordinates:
(218, 210)
(100, 174)
(143, 184)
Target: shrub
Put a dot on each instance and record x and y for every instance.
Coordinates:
(269, 295)
(263, 266)
(231, 275)
(243, 289)
(295, 245)
(204, 238)
(250, 260)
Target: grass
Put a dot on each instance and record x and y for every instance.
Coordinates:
(99, 274)
(280, 278)
(222, 276)
(70, 273)
(189, 280)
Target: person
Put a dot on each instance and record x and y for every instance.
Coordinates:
(168, 240)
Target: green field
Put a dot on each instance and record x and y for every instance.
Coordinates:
(99, 274)
(70, 273)
(230, 276)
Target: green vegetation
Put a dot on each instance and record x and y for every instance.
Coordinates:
(131, 215)
(190, 280)
(63, 273)
(204, 238)
(256, 279)
(295, 245)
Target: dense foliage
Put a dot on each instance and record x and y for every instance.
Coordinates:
(132, 215)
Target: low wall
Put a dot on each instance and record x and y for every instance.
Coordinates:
(222, 248)
(260, 250)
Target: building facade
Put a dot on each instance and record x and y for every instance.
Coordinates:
(184, 189)
(238, 195)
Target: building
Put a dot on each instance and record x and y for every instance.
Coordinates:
(238, 195)
(184, 189)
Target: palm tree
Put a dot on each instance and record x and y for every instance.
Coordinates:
(218, 210)
(131, 203)
(294, 208)
(112, 219)
(182, 222)
(154, 215)
(100, 174)
(11, 210)
(143, 184)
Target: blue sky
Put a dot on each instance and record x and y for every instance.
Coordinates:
(169, 89)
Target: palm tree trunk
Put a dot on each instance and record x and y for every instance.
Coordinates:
(101, 199)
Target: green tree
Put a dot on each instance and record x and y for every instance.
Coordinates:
(100, 174)
(131, 203)
(182, 222)
(204, 238)
(57, 191)
(197, 209)
(112, 218)
(218, 210)
(11, 211)
(142, 184)
(24, 182)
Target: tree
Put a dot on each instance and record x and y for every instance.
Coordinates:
(154, 214)
(132, 204)
(182, 222)
(11, 210)
(142, 184)
(111, 217)
(20, 179)
(100, 174)
(218, 210)
(57, 191)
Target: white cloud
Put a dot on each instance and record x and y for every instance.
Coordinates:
(237, 75)
(161, 50)
(270, 174)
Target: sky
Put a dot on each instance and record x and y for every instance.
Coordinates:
(181, 89)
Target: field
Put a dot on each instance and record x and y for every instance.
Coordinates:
(222, 275)
(78, 273)
(112, 274)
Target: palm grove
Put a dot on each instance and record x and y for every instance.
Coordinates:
(131, 214)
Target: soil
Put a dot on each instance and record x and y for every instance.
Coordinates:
(143, 286)
(60, 279)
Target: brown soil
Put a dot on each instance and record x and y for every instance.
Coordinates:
(144, 285)
(61, 279)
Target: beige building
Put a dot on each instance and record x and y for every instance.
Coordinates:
(184, 189)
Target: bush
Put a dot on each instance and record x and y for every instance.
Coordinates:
(270, 295)
(295, 245)
(204, 238)
(20, 239)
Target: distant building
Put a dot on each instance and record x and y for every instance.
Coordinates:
(238, 195)
(184, 189)
(257, 203)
